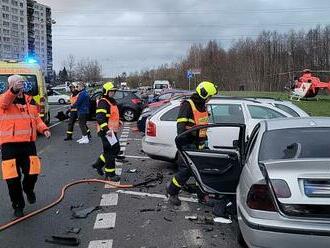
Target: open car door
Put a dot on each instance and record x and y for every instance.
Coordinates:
(216, 167)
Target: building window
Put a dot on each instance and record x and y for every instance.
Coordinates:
(21, 19)
(14, 33)
(15, 26)
(6, 39)
(6, 24)
(5, 1)
(5, 8)
(22, 33)
(5, 16)
(21, 4)
(14, 2)
(22, 27)
(6, 32)
(14, 18)
(14, 10)
(21, 12)
(7, 47)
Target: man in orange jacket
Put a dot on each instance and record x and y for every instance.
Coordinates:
(19, 124)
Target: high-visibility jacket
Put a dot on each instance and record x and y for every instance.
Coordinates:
(73, 100)
(19, 123)
(112, 115)
(200, 118)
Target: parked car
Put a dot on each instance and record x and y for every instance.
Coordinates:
(151, 108)
(129, 103)
(161, 131)
(57, 97)
(281, 180)
(286, 106)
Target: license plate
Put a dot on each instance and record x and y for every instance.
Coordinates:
(317, 187)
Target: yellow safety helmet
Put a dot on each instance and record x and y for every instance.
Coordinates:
(108, 87)
(206, 89)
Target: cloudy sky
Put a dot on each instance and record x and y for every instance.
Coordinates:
(134, 35)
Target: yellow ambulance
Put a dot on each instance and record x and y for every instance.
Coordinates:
(35, 78)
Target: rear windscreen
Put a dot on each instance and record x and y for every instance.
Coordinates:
(30, 84)
(295, 143)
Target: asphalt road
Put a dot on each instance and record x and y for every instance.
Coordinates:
(127, 219)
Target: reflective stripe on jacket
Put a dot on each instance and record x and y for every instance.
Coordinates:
(113, 117)
(19, 123)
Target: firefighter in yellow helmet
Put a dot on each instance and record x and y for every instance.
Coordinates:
(192, 112)
(108, 124)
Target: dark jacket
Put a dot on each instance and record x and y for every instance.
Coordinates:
(83, 103)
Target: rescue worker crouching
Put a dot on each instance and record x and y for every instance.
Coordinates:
(108, 124)
(19, 124)
(193, 112)
(73, 111)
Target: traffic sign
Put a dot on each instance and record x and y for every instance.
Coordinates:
(196, 71)
(189, 74)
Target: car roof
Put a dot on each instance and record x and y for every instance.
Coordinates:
(303, 122)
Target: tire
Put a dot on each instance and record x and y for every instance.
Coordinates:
(129, 115)
(61, 101)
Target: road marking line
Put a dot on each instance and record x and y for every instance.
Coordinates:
(119, 170)
(101, 244)
(137, 157)
(123, 139)
(105, 220)
(142, 194)
(194, 237)
(108, 186)
(134, 139)
(124, 136)
(109, 200)
(125, 132)
(123, 148)
(123, 143)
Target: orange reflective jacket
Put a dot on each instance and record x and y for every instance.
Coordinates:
(73, 100)
(19, 123)
(200, 118)
(113, 117)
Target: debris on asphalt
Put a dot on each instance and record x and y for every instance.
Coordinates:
(167, 219)
(148, 222)
(222, 220)
(132, 170)
(63, 240)
(208, 229)
(76, 206)
(147, 210)
(193, 217)
(81, 214)
(57, 212)
(74, 230)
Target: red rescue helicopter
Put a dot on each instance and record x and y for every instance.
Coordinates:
(307, 86)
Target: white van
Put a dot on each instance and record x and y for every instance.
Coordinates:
(161, 85)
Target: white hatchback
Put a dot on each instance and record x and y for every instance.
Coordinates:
(161, 129)
(57, 97)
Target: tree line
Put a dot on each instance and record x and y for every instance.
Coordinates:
(266, 63)
(86, 70)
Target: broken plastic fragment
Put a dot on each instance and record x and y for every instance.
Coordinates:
(222, 220)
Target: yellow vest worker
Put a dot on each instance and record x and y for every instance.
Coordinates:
(108, 124)
(192, 112)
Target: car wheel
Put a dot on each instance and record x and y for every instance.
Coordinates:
(61, 101)
(129, 115)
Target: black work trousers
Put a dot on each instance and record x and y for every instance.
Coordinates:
(20, 152)
(110, 153)
(83, 124)
(72, 121)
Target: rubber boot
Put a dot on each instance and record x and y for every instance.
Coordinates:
(31, 197)
(173, 198)
(18, 212)
(98, 165)
(68, 137)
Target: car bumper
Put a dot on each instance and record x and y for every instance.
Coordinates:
(263, 233)
(158, 151)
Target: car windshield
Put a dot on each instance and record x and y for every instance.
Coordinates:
(161, 86)
(295, 143)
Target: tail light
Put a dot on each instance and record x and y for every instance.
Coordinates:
(260, 198)
(136, 101)
(151, 129)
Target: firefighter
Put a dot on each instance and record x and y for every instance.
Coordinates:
(192, 112)
(19, 124)
(108, 124)
(72, 110)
